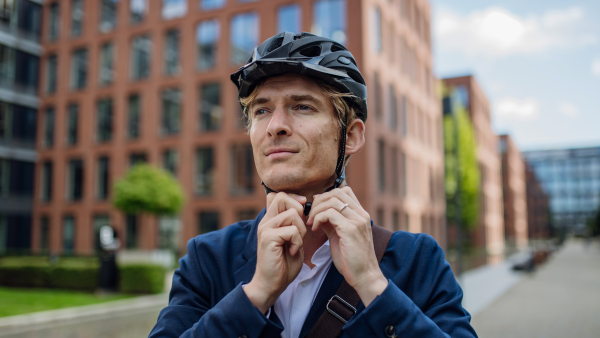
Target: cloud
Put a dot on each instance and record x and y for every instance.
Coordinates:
(568, 109)
(596, 67)
(515, 109)
(497, 32)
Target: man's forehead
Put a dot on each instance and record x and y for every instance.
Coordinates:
(290, 87)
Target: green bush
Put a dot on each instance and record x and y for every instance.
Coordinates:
(142, 278)
(24, 276)
(74, 278)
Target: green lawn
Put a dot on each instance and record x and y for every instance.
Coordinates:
(16, 301)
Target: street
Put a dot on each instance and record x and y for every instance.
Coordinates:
(560, 299)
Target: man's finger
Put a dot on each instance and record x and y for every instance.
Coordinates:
(332, 203)
(287, 218)
(280, 202)
(283, 235)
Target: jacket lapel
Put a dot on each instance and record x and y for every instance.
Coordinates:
(330, 285)
(245, 273)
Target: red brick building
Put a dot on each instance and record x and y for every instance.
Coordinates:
(489, 233)
(141, 80)
(515, 194)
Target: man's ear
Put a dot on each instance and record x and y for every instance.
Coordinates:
(355, 136)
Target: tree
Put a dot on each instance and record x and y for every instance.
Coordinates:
(148, 189)
(467, 164)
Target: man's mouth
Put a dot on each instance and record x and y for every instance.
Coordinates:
(279, 152)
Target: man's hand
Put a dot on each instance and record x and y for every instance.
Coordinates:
(350, 239)
(279, 251)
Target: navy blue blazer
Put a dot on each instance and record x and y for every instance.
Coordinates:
(422, 299)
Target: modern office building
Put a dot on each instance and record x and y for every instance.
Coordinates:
(144, 80)
(539, 223)
(20, 52)
(571, 178)
(489, 233)
(514, 191)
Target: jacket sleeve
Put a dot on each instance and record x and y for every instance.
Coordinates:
(439, 313)
(190, 314)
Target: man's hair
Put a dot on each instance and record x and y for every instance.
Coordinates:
(338, 100)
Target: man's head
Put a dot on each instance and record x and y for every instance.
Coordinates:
(305, 101)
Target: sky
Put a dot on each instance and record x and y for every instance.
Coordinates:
(538, 62)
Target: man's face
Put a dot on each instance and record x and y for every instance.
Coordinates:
(294, 134)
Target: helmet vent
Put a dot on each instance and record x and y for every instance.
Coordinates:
(311, 51)
(337, 48)
(276, 44)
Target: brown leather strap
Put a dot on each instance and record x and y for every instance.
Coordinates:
(345, 301)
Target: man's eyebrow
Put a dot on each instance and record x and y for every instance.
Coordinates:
(305, 97)
(260, 100)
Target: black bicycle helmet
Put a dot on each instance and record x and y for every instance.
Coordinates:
(313, 56)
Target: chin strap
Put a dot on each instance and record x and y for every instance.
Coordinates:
(340, 171)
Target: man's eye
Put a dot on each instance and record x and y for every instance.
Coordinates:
(259, 112)
(303, 107)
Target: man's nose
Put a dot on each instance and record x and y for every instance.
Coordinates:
(280, 123)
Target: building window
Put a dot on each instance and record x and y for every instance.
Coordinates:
(289, 19)
(54, 22)
(79, 68)
(76, 17)
(404, 115)
(207, 38)
(393, 110)
(68, 235)
(377, 96)
(381, 164)
(395, 221)
(204, 171)
(141, 48)
(108, 15)
(104, 120)
(172, 65)
(75, 180)
(171, 111)
(403, 175)
(51, 64)
(208, 221)
(395, 173)
(16, 178)
(170, 161)
(26, 72)
(49, 127)
(380, 218)
(211, 110)
(376, 30)
(246, 214)
(29, 17)
(102, 178)
(131, 241)
(106, 64)
(172, 9)
(207, 5)
(44, 234)
(244, 37)
(242, 169)
(17, 123)
(137, 158)
(137, 10)
(46, 182)
(4, 178)
(330, 19)
(133, 116)
(72, 122)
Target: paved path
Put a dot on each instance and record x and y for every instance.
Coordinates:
(560, 299)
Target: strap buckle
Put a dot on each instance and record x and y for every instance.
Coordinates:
(343, 302)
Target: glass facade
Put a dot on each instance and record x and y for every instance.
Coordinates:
(79, 69)
(171, 56)
(105, 75)
(211, 111)
(289, 19)
(18, 70)
(141, 49)
(172, 9)
(571, 178)
(207, 38)
(16, 178)
(171, 111)
(329, 19)
(17, 124)
(243, 37)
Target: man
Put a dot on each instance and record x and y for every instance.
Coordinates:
(305, 101)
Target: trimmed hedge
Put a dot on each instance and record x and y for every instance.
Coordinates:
(142, 278)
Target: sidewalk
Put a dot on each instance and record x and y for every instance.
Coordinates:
(560, 299)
